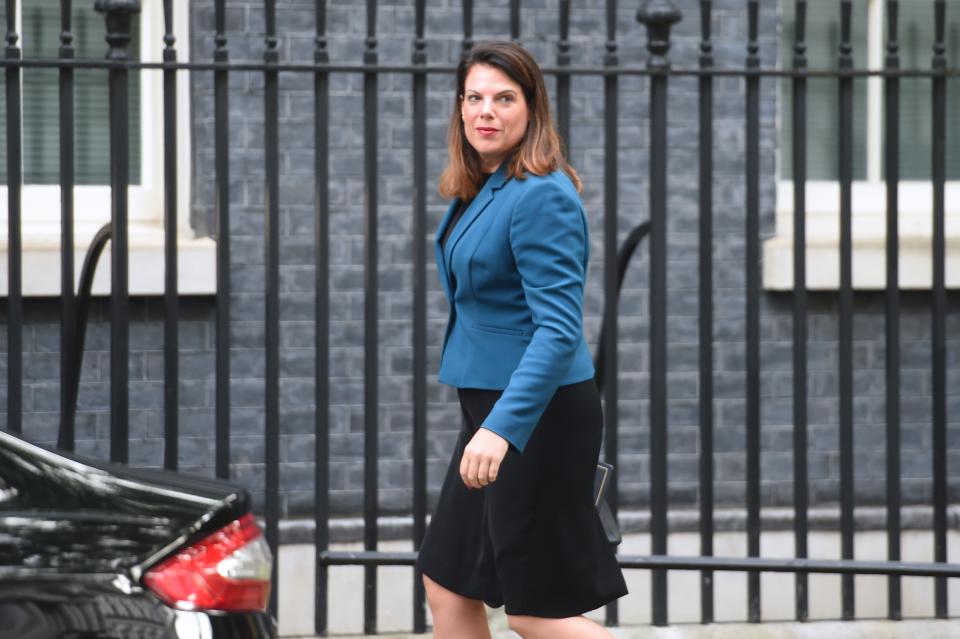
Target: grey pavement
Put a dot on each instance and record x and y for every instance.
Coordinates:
(395, 597)
(914, 629)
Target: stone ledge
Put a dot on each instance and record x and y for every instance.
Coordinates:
(350, 529)
(196, 259)
(868, 259)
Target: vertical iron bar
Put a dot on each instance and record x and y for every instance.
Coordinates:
(706, 310)
(118, 15)
(939, 310)
(271, 135)
(658, 16)
(563, 79)
(419, 310)
(610, 276)
(14, 256)
(892, 295)
(370, 317)
(515, 20)
(68, 301)
(467, 25)
(171, 307)
(321, 120)
(800, 477)
(845, 152)
(753, 308)
(222, 177)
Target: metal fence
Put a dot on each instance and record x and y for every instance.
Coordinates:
(657, 16)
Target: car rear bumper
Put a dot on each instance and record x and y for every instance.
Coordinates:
(236, 625)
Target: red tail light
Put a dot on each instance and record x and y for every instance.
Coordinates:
(229, 570)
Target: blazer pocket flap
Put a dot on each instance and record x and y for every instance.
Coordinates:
(500, 330)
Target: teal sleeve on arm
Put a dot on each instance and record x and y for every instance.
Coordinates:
(548, 238)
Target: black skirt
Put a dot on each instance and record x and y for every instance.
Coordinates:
(532, 540)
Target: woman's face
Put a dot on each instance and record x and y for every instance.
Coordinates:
(495, 114)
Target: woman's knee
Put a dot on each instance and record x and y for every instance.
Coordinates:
(578, 627)
(436, 594)
(441, 598)
(455, 616)
(523, 625)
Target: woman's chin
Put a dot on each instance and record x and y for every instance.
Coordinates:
(490, 157)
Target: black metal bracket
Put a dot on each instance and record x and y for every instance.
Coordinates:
(624, 255)
(89, 269)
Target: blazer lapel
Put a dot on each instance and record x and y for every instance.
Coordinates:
(445, 220)
(483, 199)
(438, 248)
(479, 203)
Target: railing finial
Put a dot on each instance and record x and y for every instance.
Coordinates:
(11, 37)
(169, 39)
(939, 38)
(658, 16)
(893, 13)
(118, 14)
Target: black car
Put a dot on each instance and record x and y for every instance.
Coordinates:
(96, 550)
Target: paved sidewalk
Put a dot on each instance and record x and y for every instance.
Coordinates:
(395, 594)
(925, 629)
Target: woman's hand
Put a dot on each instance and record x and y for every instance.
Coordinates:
(481, 458)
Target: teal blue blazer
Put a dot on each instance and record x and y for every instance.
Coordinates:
(513, 270)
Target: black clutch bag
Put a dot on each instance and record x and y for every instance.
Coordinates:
(600, 482)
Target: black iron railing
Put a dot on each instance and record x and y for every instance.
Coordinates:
(657, 16)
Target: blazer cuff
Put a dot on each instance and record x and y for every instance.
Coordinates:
(517, 440)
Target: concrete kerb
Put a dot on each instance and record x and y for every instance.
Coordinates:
(914, 629)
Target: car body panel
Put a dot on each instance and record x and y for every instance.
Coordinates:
(76, 536)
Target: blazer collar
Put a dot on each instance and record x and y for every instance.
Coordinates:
(496, 182)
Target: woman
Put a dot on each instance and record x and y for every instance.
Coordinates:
(515, 523)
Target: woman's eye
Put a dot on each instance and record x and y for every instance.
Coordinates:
(506, 99)
(473, 99)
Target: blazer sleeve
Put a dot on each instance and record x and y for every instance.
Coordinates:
(548, 238)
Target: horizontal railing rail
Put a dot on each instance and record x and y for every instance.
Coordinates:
(734, 564)
(448, 69)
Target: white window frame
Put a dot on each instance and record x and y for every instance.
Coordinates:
(869, 212)
(40, 204)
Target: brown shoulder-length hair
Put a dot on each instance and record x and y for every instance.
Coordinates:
(539, 152)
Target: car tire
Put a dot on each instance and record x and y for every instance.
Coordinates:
(104, 617)
(131, 618)
(26, 620)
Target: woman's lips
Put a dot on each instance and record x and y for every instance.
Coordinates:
(486, 131)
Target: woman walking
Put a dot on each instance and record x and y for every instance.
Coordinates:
(515, 523)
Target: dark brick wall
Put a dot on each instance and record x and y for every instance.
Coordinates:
(346, 25)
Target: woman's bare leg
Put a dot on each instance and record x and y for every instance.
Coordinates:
(544, 628)
(455, 616)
